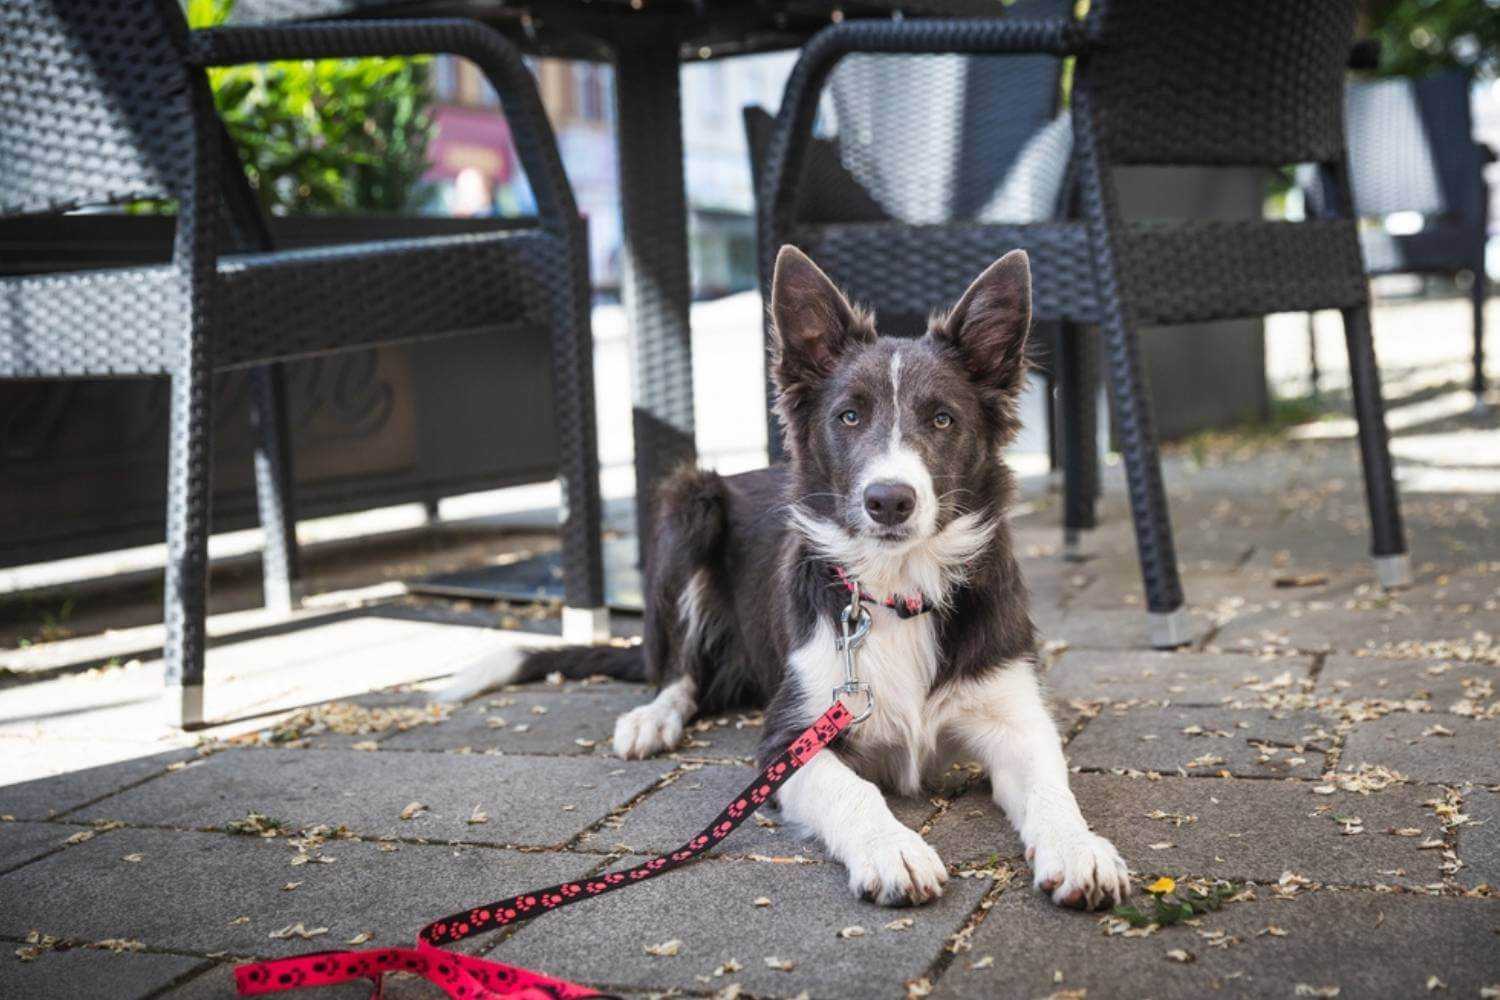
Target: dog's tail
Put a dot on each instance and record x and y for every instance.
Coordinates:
(515, 665)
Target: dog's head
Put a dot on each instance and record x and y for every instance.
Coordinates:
(894, 440)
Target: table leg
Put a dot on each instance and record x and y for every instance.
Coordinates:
(656, 282)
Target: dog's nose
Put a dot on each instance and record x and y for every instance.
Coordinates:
(890, 503)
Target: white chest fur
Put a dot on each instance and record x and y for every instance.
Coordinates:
(898, 659)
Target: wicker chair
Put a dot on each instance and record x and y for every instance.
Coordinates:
(1172, 82)
(992, 146)
(105, 107)
(1412, 149)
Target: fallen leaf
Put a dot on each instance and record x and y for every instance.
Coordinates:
(365, 745)
(983, 963)
(290, 886)
(134, 858)
(781, 964)
(118, 945)
(80, 837)
(586, 744)
(761, 901)
(730, 966)
(1306, 990)
(413, 809)
(1434, 983)
(478, 816)
(853, 931)
(1162, 846)
(361, 938)
(1180, 955)
(667, 949)
(298, 930)
(900, 924)
(239, 920)
(918, 988)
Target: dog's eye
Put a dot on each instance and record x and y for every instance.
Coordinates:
(850, 418)
(942, 420)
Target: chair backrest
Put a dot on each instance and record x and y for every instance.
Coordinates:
(94, 103)
(934, 138)
(1219, 82)
(1411, 147)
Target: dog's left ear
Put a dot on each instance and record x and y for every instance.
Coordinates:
(989, 325)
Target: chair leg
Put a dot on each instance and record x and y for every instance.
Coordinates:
(585, 618)
(281, 565)
(1314, 375)
(1392, 562)
(1078, 384)
(189, 495)
(1167, 615)
(1477, 294)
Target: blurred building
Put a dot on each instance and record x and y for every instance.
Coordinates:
(475, 170)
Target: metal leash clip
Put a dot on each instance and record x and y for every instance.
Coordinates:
(856, 617)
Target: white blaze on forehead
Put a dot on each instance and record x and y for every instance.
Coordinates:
(900, 463)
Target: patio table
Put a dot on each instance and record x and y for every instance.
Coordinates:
(646, 40)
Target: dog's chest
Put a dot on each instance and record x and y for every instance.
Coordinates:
(899, 660)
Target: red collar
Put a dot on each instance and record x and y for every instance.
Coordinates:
(905, 605)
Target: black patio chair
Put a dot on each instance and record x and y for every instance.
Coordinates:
(1171, 82)
(992, 146)
(109, 106)
(1412, 149)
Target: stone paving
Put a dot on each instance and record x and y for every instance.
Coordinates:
(1330, 752)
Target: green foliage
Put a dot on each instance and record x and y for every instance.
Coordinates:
(1175, 907)
(1420, 36)
(335, 136)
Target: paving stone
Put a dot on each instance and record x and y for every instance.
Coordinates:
(1248, 742)
(1367, 944)
(1472, 753)
(1439, 684)
(671, 816)
(44, 798)
(1479, 842)
(527, 799)
(87, 972)
(709, 908)
(20, 842)
(1145, 675)
(1324, 626)
(537, 720)
(188, 889)
(973, 831)
(1117, 629)
(1257, 830)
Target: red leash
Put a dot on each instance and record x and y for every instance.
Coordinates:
(464, 978)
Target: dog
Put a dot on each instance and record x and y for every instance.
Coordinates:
(895, 490)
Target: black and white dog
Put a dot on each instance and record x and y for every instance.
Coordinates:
(895, 481)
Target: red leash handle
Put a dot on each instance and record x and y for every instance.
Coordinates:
(463, 977)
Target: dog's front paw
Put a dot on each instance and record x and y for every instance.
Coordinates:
(1080, 869)
(649, 729)
(897, 868)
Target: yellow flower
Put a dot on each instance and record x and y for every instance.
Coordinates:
(1161, 886)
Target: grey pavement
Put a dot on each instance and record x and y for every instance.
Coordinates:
(1330, 750)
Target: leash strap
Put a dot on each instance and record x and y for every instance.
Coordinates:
(462, 977)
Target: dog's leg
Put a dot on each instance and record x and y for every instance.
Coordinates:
(657, 726)
(1003, 720)
(888, 862)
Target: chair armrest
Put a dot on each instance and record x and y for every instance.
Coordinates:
(495, 56)
(792, 130)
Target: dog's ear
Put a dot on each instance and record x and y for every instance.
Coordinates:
(989, 325)
(813, 321)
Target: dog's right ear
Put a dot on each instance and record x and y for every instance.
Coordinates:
(813, 323)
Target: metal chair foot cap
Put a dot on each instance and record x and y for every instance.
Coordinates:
(1394, 571)
(585, 626)
(184, 705)
(1170, 629)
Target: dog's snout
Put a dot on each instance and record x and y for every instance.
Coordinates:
(890, 503)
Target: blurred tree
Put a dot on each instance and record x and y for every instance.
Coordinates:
(335, 136)
(1419, 36)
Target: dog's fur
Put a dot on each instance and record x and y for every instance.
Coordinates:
(744, 601)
